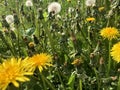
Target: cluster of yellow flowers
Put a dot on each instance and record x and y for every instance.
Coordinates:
(13, 71)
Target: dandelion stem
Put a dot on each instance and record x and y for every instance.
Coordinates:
(18, 33)
(80, 84)
(109, 59)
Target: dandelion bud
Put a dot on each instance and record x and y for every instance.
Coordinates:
(31, 45)
(28, 3)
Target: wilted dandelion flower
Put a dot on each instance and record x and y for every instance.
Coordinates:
(76, 62)
(115, 52)
(101, 8)
(90, 2)
(90, 19)
(9, 19)
(31, 44)
(28, 3)
(54, 7)
(40, 61)
(109, 33)
(13, 71)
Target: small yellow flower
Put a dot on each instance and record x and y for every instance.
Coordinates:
(101, 8)
(90, 19)
(40, 61)
(115, 52)
(31, 44)
(13, 71)
(109, 33)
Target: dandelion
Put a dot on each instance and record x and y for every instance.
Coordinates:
(54, 7)
(40, 61)
(13, 71)
(101, 8)
(90, 2)
(9, 19)
(115, 52)
(28, 3)
(90, 19)
(109, 33)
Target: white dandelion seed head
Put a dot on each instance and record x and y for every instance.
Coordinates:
(9, 19)
(29, 3)
(90, 2)
(54, 7)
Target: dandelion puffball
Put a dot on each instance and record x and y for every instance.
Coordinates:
(28, 3)
(90, 2)
(54, 7)
(9, 19)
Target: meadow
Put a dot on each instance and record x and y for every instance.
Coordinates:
(59, 45)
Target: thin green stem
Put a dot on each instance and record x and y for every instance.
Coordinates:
(80, 84)
(109, 59)
(18, 40)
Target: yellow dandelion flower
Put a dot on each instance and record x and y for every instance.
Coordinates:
(13, 71)
(109, 33)
(101, 8)
(40, 61)
(90, 19)
(115, 52)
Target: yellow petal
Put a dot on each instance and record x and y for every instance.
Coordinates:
(40, 68)
(16, 84)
